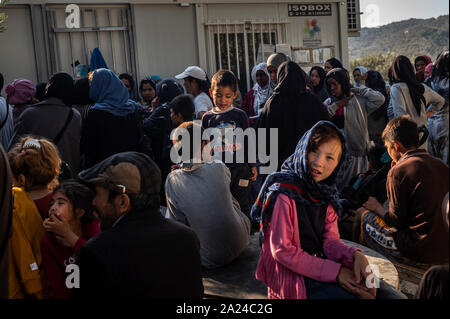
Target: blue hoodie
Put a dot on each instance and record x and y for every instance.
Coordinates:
(110, 94)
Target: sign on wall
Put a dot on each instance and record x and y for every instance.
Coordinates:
(312, 34)
(308, 10)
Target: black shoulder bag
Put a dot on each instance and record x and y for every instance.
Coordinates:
(66, 170)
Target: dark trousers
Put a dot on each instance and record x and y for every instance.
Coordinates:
(240, 186)
(321, 290)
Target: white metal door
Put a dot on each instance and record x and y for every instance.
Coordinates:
(103, 27)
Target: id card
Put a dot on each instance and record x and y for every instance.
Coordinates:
(243, 182)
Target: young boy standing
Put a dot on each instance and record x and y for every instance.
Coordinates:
(224, 89)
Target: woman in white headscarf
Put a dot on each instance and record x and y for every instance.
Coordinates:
(360, 75)
(255, 99)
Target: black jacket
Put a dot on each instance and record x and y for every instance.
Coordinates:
(143, 256)
(105, 134)
(46, 119)
(291, 110)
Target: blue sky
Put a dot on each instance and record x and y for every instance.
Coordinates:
(381, 12)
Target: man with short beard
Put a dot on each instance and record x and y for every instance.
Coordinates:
(139, 253)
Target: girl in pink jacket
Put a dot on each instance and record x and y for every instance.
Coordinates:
(302, 255)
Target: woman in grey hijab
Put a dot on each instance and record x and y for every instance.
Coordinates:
(273, 63)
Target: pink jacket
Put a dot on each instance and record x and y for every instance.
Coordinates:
(282, 262)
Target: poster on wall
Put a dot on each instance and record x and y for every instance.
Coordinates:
(309, 9)
(312, 34)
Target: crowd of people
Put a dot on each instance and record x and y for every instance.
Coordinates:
(87, 179)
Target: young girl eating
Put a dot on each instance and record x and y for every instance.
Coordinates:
(302, 255)
(70, 224)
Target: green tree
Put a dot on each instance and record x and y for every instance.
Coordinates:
(3, 16)
(376, 61)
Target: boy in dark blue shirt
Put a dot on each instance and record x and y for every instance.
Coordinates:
(222, 119)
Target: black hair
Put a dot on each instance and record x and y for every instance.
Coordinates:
(128, 77)
(147, 81)
(322, 75)
(374, 156)
(403, 130)
(342, 77)
(376, 82)
(335, 63)
(224, 78)
(82, 92)
(420, 58)
(390, 76)
(442, 66)
(40, 91)
(403, 71)
(203, 85)
(80, 196)
(184, 105)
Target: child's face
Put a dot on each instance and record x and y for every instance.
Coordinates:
(223, 97)
(323, 161)
(61, 207)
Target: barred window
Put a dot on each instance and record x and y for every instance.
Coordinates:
(353, 15)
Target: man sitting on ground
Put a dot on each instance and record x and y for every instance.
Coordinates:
(139, 253)
(412, 230)
(198, 195)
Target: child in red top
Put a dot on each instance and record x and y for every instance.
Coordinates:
(70, 224)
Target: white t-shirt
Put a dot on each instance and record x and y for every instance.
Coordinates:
(202, 103)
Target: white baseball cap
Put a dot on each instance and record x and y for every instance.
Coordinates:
(194, 71)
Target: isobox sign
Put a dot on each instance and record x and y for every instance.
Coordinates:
(308, 10)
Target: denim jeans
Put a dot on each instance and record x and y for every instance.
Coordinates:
(323, 290)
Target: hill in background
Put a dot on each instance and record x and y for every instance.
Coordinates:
(411, 37)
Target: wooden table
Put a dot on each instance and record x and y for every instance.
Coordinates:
(237, 280)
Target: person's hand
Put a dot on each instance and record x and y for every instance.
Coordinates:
(343, 102)
(346, 279)
(61, 230)
(254, 174)
(362, 271)
(155, 103)
(373, 205)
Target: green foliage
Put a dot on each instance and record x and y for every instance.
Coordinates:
(411, 37)
(376, 61)
(3, 16)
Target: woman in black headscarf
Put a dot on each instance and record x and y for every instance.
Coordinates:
(61, 86)
(317, 77)
(410, 97)
(81, 101)
(378, 119)
(291, 109)
(5, 221)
